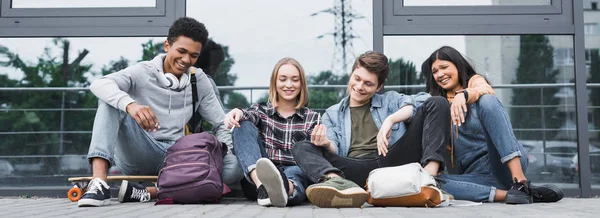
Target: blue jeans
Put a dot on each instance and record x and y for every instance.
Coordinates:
(117, 138)
(249, 149)
(485, 143)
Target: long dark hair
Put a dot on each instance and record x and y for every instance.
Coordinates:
(446, 53)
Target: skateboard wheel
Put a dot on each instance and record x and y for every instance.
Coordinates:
(74, 194)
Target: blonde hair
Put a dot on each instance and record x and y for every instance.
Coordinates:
(302, 98)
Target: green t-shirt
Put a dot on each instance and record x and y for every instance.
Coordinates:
(363, 142)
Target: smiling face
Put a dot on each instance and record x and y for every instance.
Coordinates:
(288, 84)
(362, 86)
(445, 75)
(181, 55)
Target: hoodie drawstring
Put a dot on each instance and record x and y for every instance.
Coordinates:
(170, 98)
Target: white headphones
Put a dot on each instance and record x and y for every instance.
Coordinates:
(177, 84)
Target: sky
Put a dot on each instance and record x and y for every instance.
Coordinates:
(258, 34)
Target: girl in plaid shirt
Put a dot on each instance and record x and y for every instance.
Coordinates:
(264, 134)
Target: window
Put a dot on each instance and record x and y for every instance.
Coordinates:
(82, 4)
(590, 29)
(563, 57)
(473, 3)
(54, 18)
(588, 56)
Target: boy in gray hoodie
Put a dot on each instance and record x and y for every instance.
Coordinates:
(143, 110)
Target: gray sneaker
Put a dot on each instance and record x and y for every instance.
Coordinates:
(336, 192)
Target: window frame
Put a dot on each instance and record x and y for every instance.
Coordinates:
(89, 22)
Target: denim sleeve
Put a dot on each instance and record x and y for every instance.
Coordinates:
(327, 121)
(418, 100)
(396, 101)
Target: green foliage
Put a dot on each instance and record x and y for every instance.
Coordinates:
(49, 71)
(151, 49)
(321, 99)
(535, 66)
(224, 77)
(404, 73)
(115, 66)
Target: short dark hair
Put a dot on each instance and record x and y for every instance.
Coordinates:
(446, 53)
(188, 27)
(374, 62)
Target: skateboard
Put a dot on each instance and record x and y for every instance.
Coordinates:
(80, 184)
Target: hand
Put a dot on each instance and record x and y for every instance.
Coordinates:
(233, 117)
(319, 136)
(144, 116)
(383, 137)
(458, 109)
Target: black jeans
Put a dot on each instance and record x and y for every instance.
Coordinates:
(425, 140)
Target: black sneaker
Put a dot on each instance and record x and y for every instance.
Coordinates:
(546, 193)
(519, 193)
(97, 194)
(262, 196)
(274, 181)
(133, 192)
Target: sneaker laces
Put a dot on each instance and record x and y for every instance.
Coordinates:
(141, 194)
(521, 186)
(96, 185)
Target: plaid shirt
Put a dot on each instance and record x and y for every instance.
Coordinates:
(279, 134)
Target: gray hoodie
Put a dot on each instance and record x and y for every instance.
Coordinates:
(140, 83)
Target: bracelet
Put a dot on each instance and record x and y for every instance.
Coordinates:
(464, 91)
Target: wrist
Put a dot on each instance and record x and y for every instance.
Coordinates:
(465, 93)
(131, 104)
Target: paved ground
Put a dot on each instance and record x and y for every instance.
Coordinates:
(62, 207)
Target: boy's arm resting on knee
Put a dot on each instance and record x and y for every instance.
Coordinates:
(401, 115)
(108, 91)
(113, 88)
(399, 101)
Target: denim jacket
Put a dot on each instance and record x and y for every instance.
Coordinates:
(337, 118)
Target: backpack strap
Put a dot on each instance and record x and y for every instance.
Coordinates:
(195, 116)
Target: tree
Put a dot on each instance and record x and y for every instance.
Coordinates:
(595, 92)
(321, 99)
(115, 66)
(535, 66)
(49, 71)
(151, 49)
(404, 73)
(224, 77)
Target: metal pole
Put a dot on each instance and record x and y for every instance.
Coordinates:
(543, 131)
(62, 125)
(581, 100)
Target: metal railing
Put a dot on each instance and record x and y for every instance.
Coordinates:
(252, 90)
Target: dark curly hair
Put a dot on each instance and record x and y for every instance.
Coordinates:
(188, 27)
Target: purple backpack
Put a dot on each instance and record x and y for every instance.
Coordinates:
(192, 171)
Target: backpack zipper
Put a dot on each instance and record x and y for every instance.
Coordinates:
(183, 164)
(188, 151)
